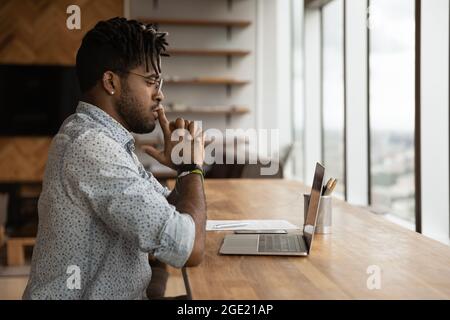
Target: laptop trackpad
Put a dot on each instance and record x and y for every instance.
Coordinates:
(240, 244)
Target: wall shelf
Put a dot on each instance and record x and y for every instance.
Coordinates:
(210, 53)
(229, 24)
(200, 52)
(229, 4)
(229, 82)
(194, 110)
(197, 22)
(224, 111)
(206, 81)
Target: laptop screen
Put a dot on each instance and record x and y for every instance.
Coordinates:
(313, 208)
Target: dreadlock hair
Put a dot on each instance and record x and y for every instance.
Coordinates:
(118, 45)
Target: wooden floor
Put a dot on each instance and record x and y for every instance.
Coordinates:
(11, 288)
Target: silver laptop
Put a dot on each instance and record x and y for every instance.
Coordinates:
(290, 244)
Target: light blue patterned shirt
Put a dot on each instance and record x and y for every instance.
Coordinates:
(101, 213)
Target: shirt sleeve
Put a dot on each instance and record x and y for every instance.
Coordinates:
(162, 189)
(109, 181)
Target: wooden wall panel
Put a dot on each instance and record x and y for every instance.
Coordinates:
(35, 32)
(23, 159)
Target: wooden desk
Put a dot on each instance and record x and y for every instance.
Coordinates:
(412, 266)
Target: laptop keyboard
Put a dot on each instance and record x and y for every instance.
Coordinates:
(279, 243)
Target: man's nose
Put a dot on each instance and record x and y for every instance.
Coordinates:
(159, 96)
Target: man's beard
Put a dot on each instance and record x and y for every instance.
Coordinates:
(130, 110)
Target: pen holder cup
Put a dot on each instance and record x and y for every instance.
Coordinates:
(323, 225)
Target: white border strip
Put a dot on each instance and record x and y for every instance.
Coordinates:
(313, 79)
(356, 102)
(435, 119)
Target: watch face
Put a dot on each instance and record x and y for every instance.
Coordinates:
(182, 174)
(189, 167)
(196, 171)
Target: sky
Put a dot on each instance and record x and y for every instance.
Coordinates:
(392, 59)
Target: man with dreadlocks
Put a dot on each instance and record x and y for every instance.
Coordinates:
(100, 213)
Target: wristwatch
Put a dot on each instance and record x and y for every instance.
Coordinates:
(185, 169)
(188, 167)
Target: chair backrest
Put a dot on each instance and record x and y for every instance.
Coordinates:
(3, 208)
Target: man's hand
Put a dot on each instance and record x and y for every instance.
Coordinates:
(188, 196)
(188, 133)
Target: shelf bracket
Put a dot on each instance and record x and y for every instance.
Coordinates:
(228, 90)
(228, 119)
(230, 5)
(229, 32)
(229, 60)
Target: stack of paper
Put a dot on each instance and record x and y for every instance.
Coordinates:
(222, 225)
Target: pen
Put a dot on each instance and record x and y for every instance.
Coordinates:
(230, 225)
(327, 186)
(331, 188)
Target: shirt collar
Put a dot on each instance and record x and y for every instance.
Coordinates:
(119, 133)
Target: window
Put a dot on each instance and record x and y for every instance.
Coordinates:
(392, 107)
(333, 92)
(298, 148)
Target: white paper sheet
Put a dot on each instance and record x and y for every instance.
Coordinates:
(213, 225)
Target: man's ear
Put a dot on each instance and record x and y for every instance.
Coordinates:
(110, 82)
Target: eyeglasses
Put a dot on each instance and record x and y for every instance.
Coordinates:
(151, 80)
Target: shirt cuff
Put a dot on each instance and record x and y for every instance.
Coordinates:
(177, 240)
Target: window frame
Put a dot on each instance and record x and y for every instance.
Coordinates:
(311, 8)
(322, 69)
